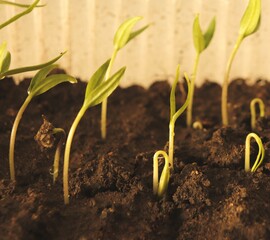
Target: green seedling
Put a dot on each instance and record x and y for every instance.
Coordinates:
(28, 9)
(122, 36)
(249, 24)
(201, 42)
(260, 155)
(253, 111)
(197, 125)
(45, 137)
(5, 59)
(96, 91)
(40, 83)
(160, 187)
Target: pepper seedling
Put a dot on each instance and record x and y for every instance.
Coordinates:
(253, 111)
(249, 24)
(260, 155)
(96, 91)
(201, 41)
(28, 9)
(41, 83)
(160, 187)
(122, 36)
(45, 138)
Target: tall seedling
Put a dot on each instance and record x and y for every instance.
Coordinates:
(122, 36)
(249, 24)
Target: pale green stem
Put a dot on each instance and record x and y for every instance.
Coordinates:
(160, 187)
(67, 153)
(13, 136)
(104, 103)
(192, 85)
(57, 152)
(260, 155)
(253, 111)
(171, 142)
(224, 96)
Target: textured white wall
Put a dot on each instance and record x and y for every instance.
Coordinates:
(86, 28)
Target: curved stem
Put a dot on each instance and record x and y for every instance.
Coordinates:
(253, 111)
(67, 152)
(104, 103)
(192, 84)
(224, 94)
(13, 136)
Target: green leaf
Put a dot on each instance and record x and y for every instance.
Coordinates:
(19, 4)
(6, 62)
(250, 21)
(97, 78)
(14, 18)
(137, 32)
(103, 90)
(208, 35)
(30, 68)
(123, 34)
(198, 38)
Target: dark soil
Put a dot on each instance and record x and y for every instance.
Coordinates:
(210, 196)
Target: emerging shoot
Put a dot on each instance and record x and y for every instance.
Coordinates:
(39, 84)
(260, 155)
(249, 24)
(97, 90)
(201, 42)
(197, 125)
(253, 111)
(45, 138)
(122, 36)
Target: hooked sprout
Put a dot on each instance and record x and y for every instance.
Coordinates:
(160, 188)
(28, 9)
(39, 84)
(260, 155)
(197, 125)
(249, 24)
(96, 91)
(201, 42)
(45, 138)
(253, 111)
(122, 36)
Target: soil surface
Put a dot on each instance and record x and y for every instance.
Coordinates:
(210, 196)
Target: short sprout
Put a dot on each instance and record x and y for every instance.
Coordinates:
(260, 155)
(197, 125)
(253, 111)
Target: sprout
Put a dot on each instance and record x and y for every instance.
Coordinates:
(96, 91)
(201, 42)
(253, 111)
(197, 125)
(122, 36)
(260, 155)
(45, 138)
(249, 24)
(29, 9)
(5, 59)
(160, 187)
(40, 83)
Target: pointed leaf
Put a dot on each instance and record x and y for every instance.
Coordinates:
(104, 89)
(251, 19)
(97, 78)
(124, 31)
(6, 62)
(30, 68)
(137, 32)
(3, 53)
(198, 38)
(50, 82)
(208, 35)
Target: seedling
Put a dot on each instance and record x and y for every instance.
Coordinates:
(197, 125)
(5, 59)
(201, 42)
(253, 111)
(161, 187)
(249, 24)
(40, 83)
(260, 155)
(122, 36)
(28, 9)
(96, 91)
(45, 138)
